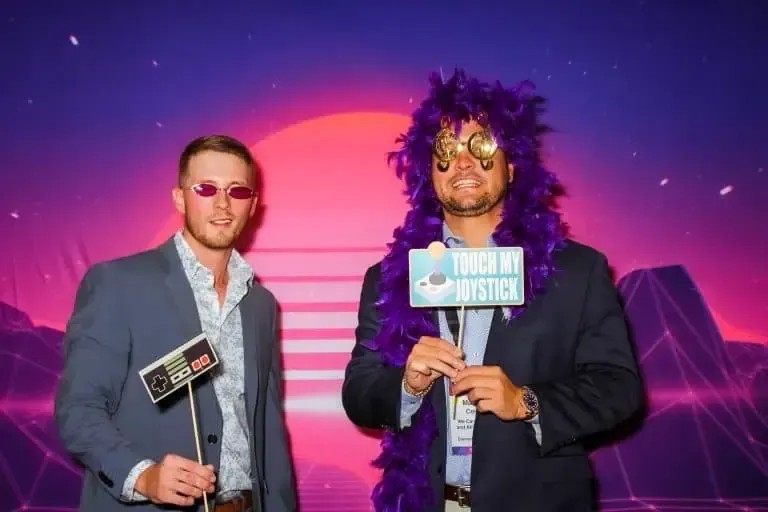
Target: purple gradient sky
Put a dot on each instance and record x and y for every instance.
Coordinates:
(639, 92)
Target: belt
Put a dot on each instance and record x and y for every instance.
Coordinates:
(458, 494)
(239, 501)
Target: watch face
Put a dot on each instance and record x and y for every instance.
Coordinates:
(530, 400)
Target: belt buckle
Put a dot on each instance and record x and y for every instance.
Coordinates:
(236, 499)
(462, 497)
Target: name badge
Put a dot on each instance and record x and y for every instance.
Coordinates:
(462, 426)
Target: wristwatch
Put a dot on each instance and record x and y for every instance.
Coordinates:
(530, 402)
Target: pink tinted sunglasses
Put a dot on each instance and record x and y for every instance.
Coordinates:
(210, 190)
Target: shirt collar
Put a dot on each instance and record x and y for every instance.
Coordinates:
(239, 269)
(452, 240)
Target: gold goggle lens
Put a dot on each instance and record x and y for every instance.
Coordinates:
(482, 145)
(447, 146)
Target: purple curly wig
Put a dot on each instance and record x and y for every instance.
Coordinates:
(528, 221)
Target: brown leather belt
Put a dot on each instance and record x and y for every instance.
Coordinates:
(240, 501)
(458, 494)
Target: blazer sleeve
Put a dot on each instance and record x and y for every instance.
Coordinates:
(97, 348)
(606, 388)
(279, 472)
(371, 390)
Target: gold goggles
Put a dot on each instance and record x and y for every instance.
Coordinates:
(447, 147)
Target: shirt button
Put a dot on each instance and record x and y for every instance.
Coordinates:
(212, 439)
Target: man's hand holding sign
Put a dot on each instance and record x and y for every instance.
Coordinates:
(456, 279)
(490, 390)
(176, 481)
(431, 358)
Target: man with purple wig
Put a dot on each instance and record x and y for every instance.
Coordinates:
(543, 377)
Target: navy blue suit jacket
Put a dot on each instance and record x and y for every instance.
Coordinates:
(571, 346)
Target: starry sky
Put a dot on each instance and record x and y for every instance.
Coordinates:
(659, 108)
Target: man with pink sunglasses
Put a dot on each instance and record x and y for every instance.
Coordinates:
(132, 311)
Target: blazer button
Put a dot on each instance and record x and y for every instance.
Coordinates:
(212, 439)
(104, 478)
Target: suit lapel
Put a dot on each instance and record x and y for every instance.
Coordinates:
(494, 350)
(184, 300)
(512, 345)
(180, 291)
(255, 352)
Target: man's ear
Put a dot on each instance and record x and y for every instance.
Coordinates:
(254, 205)
(178, 200)
(511, 168)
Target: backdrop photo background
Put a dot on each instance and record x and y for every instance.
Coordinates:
(660, 118)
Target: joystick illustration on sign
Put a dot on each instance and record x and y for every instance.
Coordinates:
(472, 277)
(436, 285)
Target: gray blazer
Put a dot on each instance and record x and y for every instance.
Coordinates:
(129, 312)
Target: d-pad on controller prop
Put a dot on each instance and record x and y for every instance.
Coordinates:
(159, 383)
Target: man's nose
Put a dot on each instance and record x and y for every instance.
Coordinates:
(464, 161)
(222, 199)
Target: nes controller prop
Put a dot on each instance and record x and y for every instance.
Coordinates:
(175, 369)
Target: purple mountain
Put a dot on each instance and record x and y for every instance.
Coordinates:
(32, 461)
(700, 438)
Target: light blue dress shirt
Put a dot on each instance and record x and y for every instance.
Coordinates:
(477, 325)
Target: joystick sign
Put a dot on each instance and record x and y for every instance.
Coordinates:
(444, 277)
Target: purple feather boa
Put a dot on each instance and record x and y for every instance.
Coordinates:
(528, 220)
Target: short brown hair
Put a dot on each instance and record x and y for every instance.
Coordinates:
(220, 144)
